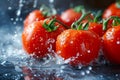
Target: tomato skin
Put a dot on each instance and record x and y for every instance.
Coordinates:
(97, 28)
(80, 44)
(111, 44)
(36, 39)
(35, 15)
(112, 10)
(57, 17)
(69, 16)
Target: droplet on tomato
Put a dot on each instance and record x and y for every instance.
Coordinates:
(118, 42)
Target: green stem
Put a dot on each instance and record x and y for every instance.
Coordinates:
(97, 16)
(78, 22)
(115, 22)
(79, 8)
(51, 25)
(67, 27)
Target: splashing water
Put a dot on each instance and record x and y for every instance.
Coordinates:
(53, 68)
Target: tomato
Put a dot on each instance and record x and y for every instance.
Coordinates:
(38, 41)
(111, 44)
(97, 28)
(69, 16)
(35, 15)
(81, 46)
(112, 10)
(57, 17)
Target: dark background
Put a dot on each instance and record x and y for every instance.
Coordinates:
(107, 72)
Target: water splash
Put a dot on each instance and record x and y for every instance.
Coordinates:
(48, 68)
(20, 8)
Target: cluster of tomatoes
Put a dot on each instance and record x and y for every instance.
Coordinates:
(75, 34)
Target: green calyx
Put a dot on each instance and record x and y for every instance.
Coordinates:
(79, 8)
(78, 25)
(50, 26)
(97, 16)
(115, 22)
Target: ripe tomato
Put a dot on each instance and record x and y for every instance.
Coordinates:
(111, 44)
(38, 41)
(69, 16)
(112, 10)
(56, 17)
(35, 15)
(97, 28)
(81, 46)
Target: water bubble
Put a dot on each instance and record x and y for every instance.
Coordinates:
(71, 42)
(35, 3)
(82, 73)
(3, 63)
(12, 19)
(9, 8)
(20, 8)
(88, 51)
(14, 22)
(118, 42)
(87, 72)
(18, 12)
(6, 74)
(89, 68)
(17, 19)
(116, 75)
(51, 1)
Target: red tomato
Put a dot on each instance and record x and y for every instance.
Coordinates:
(35, 15)
(81, 46)
(111, 44)
(69, 16)
(38, 41)
(97, 28)
(112, 10)
(56, 17)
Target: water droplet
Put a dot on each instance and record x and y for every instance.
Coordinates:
(51, 1)
(9, 8)
(87, 71)
(116, 75)
(88, 51)
(35, 3)
(16, 19)
(71, 42)
(12, 19)
(82, 73)
(14, 23)
(118, 42)
(3, 62)
(89, 68)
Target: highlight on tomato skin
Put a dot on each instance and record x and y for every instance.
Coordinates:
(111, 45)
(97, 28)
(38, 41)
(35, 15)
(80, 46)
(112, 10)
(69, 16)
